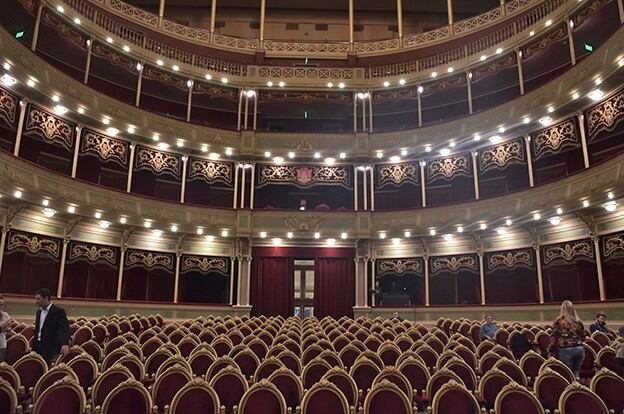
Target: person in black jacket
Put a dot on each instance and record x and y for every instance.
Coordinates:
(51, 328)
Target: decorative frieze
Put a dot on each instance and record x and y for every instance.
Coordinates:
(215, 91)
(500, 156)
(555, 139)
(99, 50)
(105, 148)
(613, 246)
(606, 115)
(398, 266)
(568, 252)
(305, 96)
(449, 167)
(34, 244)
(211, 172)
(164, 77)
(157, 161)
(454, 264)
(304, 176)
(49, 127)
(92, 253)
(397, 174)
(550, 38)
(149, 260)
(510, 260)
(205, 264)
(8, 107)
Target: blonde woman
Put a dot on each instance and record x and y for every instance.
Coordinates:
(5, 321)
(568, 335)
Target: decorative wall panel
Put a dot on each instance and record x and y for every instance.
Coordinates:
(545, 42)
(493, 67)
(555, 139)
(564, 253)
(510, 260)
(454, 264)
(449, 167)
(215, 91)
(164, 77)
(205, 265)
(158, 162)
(64, 29)
(304, 176)
(606, 115)
(305, 96)
(105, 148)
(398, 174)
(49, 127)
(113, 57)
(501, 156)
(149, 260)
(92, 253)
(613, 246)
(210, 171)
(8, 107)
(33, 244)
(398, 266)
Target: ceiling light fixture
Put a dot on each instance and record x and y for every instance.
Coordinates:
(263, 234)
(595, 95)
(71, 209)
(281, 84)
(537, 216)
(173, 228)
(386, 84)
(445, 151)
(112, 131)
(432, 232)
(395, 159)
(49, 212)
(289, 234)
(276, 241)
(331, 242)
(610, 206)
(407, 234)
(344, 236)
(291, 154)
(317, 235)
(60, 110)
(330, 161)
(104, 224)
(382, 235)
(8, 80)
(545, 121)
(401, 81)
(447, 237)
(278, 160)
(555, 220)
(483, 226)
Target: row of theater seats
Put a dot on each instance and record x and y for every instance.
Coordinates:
(123, 365)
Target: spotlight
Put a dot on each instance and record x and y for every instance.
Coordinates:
(610, 206)
(501, 230)
(382, 235)
(49, 212)
(276, 241)
(483, 226)
(331, 242)
(291, 154)
(407, 234)
(60, 110)
(401, 81)
(460, 229)
(537, 216)
(447, 237)
(432, 232)
(289, 234)
(386, 84)
(445, 152)
(8, 80)
(546, 121)
(344, 236)
(555, 220)
(595, 95)
(263, 234)
(173, 228)
(104, 224)
(330, 161)
(396, 241)
(317, 235)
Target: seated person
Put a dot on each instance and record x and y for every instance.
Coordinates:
(488, 329)
(600, 325)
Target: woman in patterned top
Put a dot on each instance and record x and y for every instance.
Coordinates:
(568, 335)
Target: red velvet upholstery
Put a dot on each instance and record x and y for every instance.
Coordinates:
(456, 402)
(128, 401)
(261, 402)
(230, 390)
(29, 372)
(579, 403)
(168, 387)
(417, 376)
(385, 402)
(517, 403)
(200, 363)
(289, 389)
(324, 402)
(85, 372)
(60, 400)
(195, 401)
(491, 388)
(313, 374)
(363, 375)
(5, 398)
(549, 390)
(106, 385)
(247, 363)
(611, 392)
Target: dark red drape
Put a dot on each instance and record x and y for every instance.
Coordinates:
(272, 286)
(334, 287)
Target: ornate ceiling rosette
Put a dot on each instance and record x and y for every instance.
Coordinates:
(205, 265)
(397, 174)
(454, 264)
(545, 42)
(149, 260)
(92, 253)
(613, 246)
(49, 127)
(8, 107)
(555, 138)
(157, 161)
(510, 260)
(564, 253)
(33, 243)
(304, 176)
(105, 148)
(398, 267)
(211, 172)
(606, 115)
(500, 156)
(449, 167)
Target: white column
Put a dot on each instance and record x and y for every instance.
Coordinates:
(540, 280)
(237, 167)
(449, 7)
(481, 276)
(372, 186)
(354, 112)
(88, 63)
(231, 299)
(59, 288)
(621, 10)
(244, 278)
(246, 111)
(400, 21)
(370, 112)
(76, 151)
(355, 187)
(240, 108)
(33, 45)
(121, 269)
(520, 72)
(469, 89)
(5, 230)
(213, 18)
(426, 262)
(177, 277)
(581, 123)
(130, 168)
(351, 24)
(365, 187)
(601, 287)
(255, 111)
(503, 8)
(366, 282)
(262, 17)
(183, 188)
(20, 127)
(137, 98)
(161, 12)
(363, 115)
(527, 144)
(571, 41)
(242, 200)
(423, 188)
(189, 101)
(474, 174)
(252, 186)
(420, 117)
(374, 282)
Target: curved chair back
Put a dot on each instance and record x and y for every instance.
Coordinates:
(289, 385)
(8, 398)
(262, 398)
(128, 397)
(65, 396)
(168, 384)
(453, 397)
(609, 386)
(515, 399)
(196, 397)
(230, 386)
(386, 397)
(578, 399)
(549, 385)
(491, 385)
(107, 381)
(324, 397)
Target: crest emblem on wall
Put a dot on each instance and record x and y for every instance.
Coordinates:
(304, 175)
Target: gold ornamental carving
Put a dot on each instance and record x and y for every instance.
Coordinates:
(64, 29)
(49, 127)
(158, 161)
(304, 176)
(555, 139)
(113, 57)
(210, 171)
(149, 260)
(398, 266)
(510, 260)
(567, 252)
(93, 253)
(545, 42)
(33, 243)
(454, 263)
(105, 148)
(8, 107)
(613, 245)
(164, 77)
(448, 168)
(303, 224)
(306, 97)
(398, 174)
(205, 264)
(500, 156)
(606, 115)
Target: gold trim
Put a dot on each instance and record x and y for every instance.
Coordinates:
(454, 263)
(106, 148)
(49, 127)
(33, 243)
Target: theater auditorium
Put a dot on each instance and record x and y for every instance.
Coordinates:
(312, 206)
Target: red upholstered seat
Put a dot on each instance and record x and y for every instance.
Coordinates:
(8, 398)
(17, 347)
(85, 368)
(30, 368)
(386, 397)
(610, 388)
(438, 379)
(515, 399)
(323, 398)
(314, 371)
(364, 372)
(577, 399)
(230, 386)
(82, 335)
(262, 398)
(248, 362)
(168, 384)
(289, 386)
(196, 397)
(512, 369)
(341, 379)
(490, 386)
(49, 378)
(549, 386)
(454, 398)
(63, 397)
(606, 359)
(107, 382)
(530, 363)
(128, 397)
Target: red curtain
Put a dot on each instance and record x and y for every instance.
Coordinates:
(272, 286)
(334, 287)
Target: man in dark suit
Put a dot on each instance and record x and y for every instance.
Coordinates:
(51, 327)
